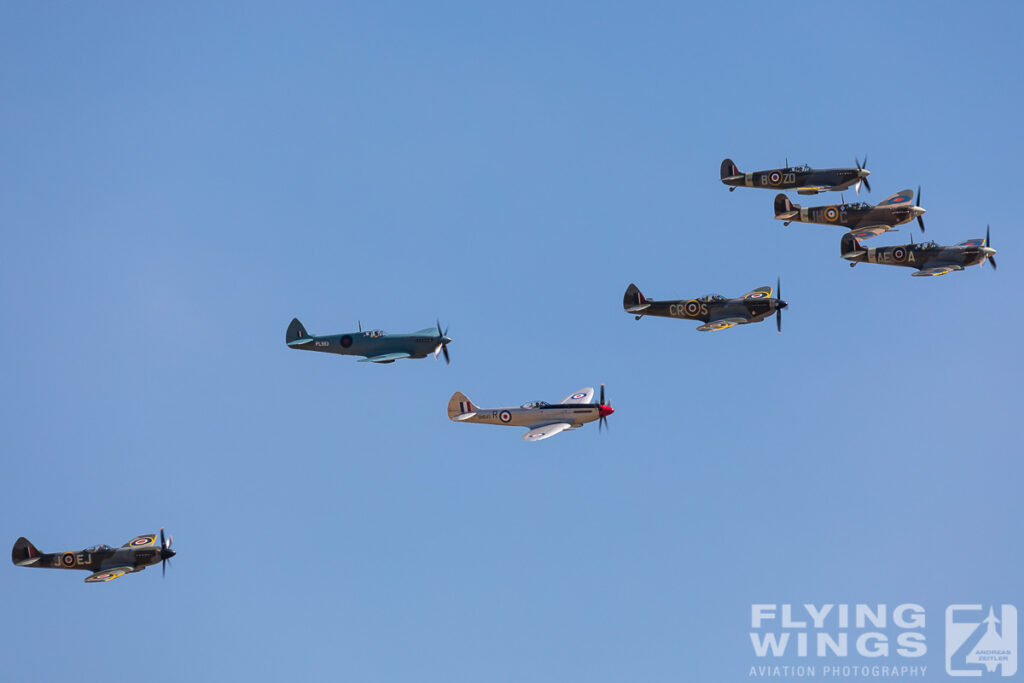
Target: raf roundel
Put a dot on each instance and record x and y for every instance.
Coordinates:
(142, 540)
(68, 559)
(831, 214)
(691, 308)
(757, 295)
(577, 396)
(505, 416)
(774, 177)
(899, 254)
(346, 341)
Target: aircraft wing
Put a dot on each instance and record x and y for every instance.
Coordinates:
(544, 431)
(104, 575)
(721, 324)
(141, 541)
(937, 270)
(976, 242)
(582, 396)
(813, 189)
(898, 198)
(864, 232)
(386, 358)
(759, 293)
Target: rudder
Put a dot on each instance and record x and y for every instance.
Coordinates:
(634, 299)
(729, 169)
(296, 331)
(24, 553)
(783, 205)
(459, 404)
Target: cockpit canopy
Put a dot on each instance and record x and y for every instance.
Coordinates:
(536, 404)
(98, 548)
(931, 244)
(858, 206)
(373, 334)
(713, 297)
(799, 169)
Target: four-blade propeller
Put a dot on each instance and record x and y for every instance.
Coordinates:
(863, 172)
(165, 551)
(605, 409)
(443, 346)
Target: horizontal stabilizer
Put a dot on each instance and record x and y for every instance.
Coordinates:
(637, 309)
(300, 342)
(464, 416)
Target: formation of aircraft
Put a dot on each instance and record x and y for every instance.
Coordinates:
(928, 258)
(863, 220)
(542, 419)
(376, 345)
(105, 563)
(717, 312)
(803, 179)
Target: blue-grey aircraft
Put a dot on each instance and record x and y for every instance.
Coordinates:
(376, 345)
(928, 258)
(542, 419)
(714, 310)
(105, 563)
(862, 219)
(803, 179)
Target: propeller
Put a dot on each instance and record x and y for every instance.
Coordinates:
(605, 409)
(863, 173)
(917, 204)
(779, 305)
(165, 552)
(989, 245)
(443, 346)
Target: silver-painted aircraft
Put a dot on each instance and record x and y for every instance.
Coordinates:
(928, 258)
(542, 419)
(862, 219)
(376, 345)
(105, 563)
(714, 310)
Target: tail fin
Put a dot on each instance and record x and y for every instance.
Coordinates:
(851, 249)
(729, 169)
(24, 553)
(460, 407)
(784, 207)
(634, 300)
(296, 331)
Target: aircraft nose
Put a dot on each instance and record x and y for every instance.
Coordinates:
(781, 304)
(605, 411)
(918, 211)
(168, 553)
(446, 340)
(863, 173)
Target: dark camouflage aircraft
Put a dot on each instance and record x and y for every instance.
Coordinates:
(714, 310)
(863, 220)
(803, 179)
(105, 563)
(928, 258)
(377, 346)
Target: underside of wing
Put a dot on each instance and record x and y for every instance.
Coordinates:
(386, 358)
(903, 197)
(937, 270)
(582, 396)
(544, 431)
(864, 232)
(812, 189)
(141, 541)
(759, 293)
(104, 575)
(721, 324)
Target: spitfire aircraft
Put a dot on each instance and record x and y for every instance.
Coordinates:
(714, 310)
(928, 258)
(105, 563)
(377, 346)
(863, 220)
(803, 179)
(542, 419)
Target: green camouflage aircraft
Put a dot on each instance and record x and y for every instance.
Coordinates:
(105, 563)
(862, 219)
(929, 258)
(803, 179)
(542, 419)
(714, 310)
(377, 346)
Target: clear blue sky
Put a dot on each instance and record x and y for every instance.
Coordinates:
(178, 182)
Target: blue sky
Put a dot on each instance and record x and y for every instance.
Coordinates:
(178, 183)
